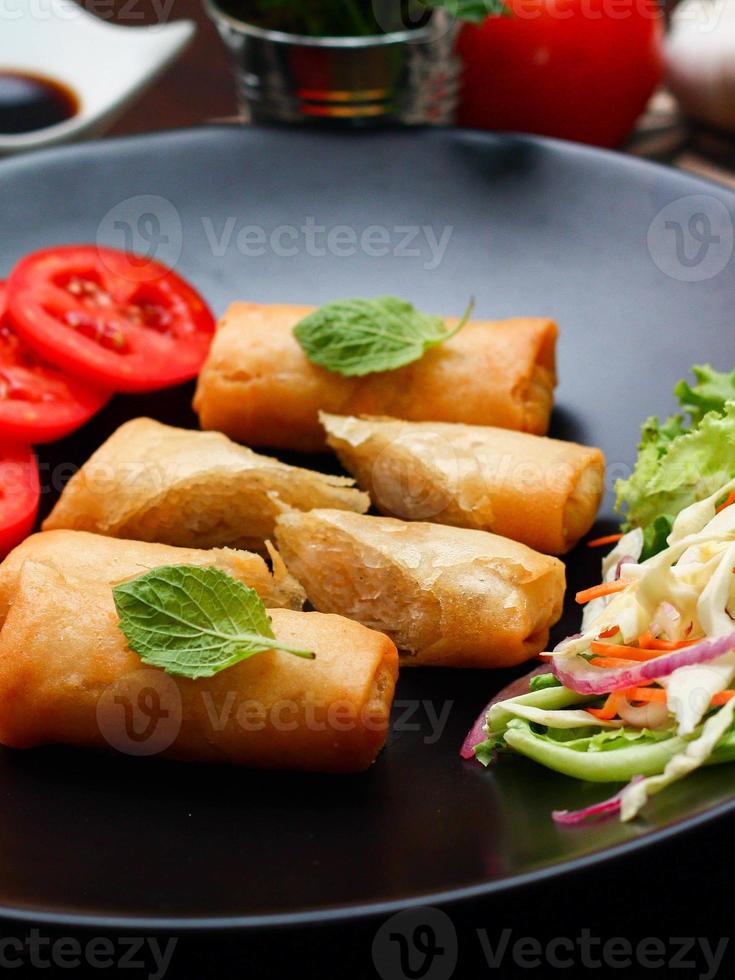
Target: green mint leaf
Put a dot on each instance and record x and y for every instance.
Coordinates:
(193, 621)
(354, 337)
(473, 11)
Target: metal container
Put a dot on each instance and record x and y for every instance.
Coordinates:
(409, 76)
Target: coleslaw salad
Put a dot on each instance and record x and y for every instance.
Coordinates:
(645, 694)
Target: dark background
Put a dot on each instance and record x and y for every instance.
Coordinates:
(680, 889)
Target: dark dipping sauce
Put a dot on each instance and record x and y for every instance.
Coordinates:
(30, 102)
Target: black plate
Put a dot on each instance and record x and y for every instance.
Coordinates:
(537, 228)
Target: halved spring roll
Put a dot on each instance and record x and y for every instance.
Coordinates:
(259, 387)
(447, 596)
(152, 482)
(68, 676)
(540, 491)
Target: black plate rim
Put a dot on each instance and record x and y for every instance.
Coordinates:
(624, 161)
(366, 910)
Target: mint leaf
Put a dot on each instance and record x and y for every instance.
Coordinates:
(473, 11)
(193, 621)
(354, 337)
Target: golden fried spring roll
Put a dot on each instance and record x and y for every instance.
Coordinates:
(76, 554)
(67, 675)
(259, 387)
(447, 596)
(152, 482)
(540, 491)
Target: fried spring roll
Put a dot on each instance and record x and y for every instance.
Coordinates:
(82, 556)
(259, 387)
(67, 675)
(540, 491)
(152, 482)
(447, 596)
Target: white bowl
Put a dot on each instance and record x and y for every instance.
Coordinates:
(106, 65)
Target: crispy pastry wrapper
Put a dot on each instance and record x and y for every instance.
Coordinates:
(68, 676)
(259, 387)
(153, 482)
(447, 596)
(542, 492)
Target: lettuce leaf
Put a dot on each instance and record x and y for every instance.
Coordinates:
(656, 536)
(646, 755)
(539, 682)
(676, 468)
(710, 393)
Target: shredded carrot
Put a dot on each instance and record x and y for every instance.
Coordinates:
(643, 692)
(647, 694)
(606, 634)
(597, 591)
(646, 641)
(722, 697)
(728, 503)
(607, 539)
(609, 709)
(626, 653)
(612, 662)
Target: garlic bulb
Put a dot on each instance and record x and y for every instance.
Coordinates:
(699, 56)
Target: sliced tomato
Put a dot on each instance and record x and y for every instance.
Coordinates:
(20, 493)
(120, 321)
(38, 402)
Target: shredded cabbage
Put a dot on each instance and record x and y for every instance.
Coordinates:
(684, 594)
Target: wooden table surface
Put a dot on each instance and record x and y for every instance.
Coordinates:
(196, 88)
(199, 88)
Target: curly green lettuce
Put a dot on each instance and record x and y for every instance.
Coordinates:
(680, 463)
(709, 394)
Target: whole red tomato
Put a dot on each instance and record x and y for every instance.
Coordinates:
(576, 69)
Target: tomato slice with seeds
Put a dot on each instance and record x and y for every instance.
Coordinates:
(20, 493)
(118, 320)
(38, 402)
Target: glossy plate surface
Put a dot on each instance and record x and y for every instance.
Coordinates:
(634, 261)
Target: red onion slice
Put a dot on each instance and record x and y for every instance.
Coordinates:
(517, 687)
(625, 560)
(476, 735)
(580, 676)
(602, 810)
